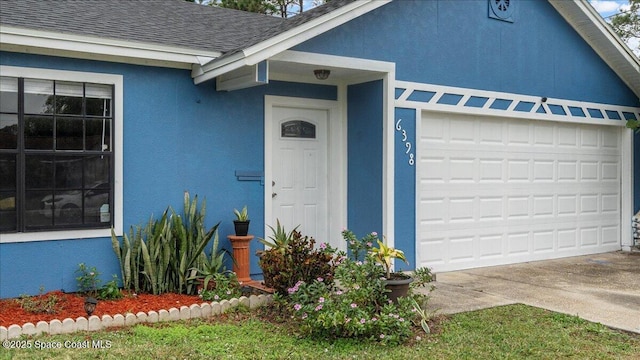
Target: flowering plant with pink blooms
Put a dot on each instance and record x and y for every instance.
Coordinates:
(356, 304)
(358, 248)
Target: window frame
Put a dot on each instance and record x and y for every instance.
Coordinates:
(117, 133)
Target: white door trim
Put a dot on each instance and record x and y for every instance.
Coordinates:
(336, 159)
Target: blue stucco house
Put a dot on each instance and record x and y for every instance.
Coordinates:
(470, 133)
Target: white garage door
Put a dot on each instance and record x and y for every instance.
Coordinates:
(497, 191)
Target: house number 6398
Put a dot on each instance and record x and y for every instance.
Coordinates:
(407, 144)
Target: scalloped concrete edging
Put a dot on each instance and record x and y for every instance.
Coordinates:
(95, 323)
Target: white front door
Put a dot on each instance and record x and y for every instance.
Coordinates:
(299, 170)
(305, 167)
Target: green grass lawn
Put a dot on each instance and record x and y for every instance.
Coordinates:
(508, 332)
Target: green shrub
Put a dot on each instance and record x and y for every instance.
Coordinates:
(40, 304)
(297, 260)
(356, 308)
(357, 305)
(223, 286)
(110, 290)
(88, 279)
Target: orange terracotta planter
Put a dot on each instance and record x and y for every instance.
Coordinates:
(241, 266)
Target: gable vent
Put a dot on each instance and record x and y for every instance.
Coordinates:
(501, 9)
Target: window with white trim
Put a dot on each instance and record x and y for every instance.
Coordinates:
(56, 155)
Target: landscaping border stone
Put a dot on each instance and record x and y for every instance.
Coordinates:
(95, 323)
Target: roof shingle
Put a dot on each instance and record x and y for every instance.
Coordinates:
(166, 22)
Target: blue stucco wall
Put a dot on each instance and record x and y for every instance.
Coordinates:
(364, 129)
(455, 43)
(405, 185)
(177, 137)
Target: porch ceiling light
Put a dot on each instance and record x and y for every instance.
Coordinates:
(322, 74)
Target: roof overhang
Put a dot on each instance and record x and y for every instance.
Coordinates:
(284, 41)
(601, 37)
(94, 48)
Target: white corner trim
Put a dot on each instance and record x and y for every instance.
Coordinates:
(13, 38)
(118, 202)
(286, 40)
(388, 158)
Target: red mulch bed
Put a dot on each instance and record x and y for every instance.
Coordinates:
(72, 306)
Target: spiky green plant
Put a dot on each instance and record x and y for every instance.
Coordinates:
(280, 238)
(241, 215)
(165, 251)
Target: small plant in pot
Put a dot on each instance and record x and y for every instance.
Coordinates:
(241, 223)
(397, 283)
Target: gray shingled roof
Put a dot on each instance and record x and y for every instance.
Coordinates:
(165, 22)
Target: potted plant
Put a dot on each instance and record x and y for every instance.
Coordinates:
(241, 223)
(397, 283)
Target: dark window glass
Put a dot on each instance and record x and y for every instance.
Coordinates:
(8, 131)
(8, 211)
(8, 94)
(97, 169)
(68, 172)
(66, 181)
(38, 132)
(8, 172)
(98, 136)
(38, 209)
(298, 129)
(68, 98)
(39, 172)
(67, 207)
(98, 100)
(38, 96)
(96, 202)
(69, 133)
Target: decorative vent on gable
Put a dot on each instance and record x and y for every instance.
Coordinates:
(501, 9)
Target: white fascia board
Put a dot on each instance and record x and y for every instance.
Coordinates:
(70, 43)
(611, 35)
(264, 50)
(227, 64)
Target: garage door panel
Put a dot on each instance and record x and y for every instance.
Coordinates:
(491, 211)
(499, 191)
(459, 249)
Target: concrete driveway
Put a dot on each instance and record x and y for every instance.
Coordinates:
(603, 288)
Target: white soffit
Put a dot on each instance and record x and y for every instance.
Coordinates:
(599, 35)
